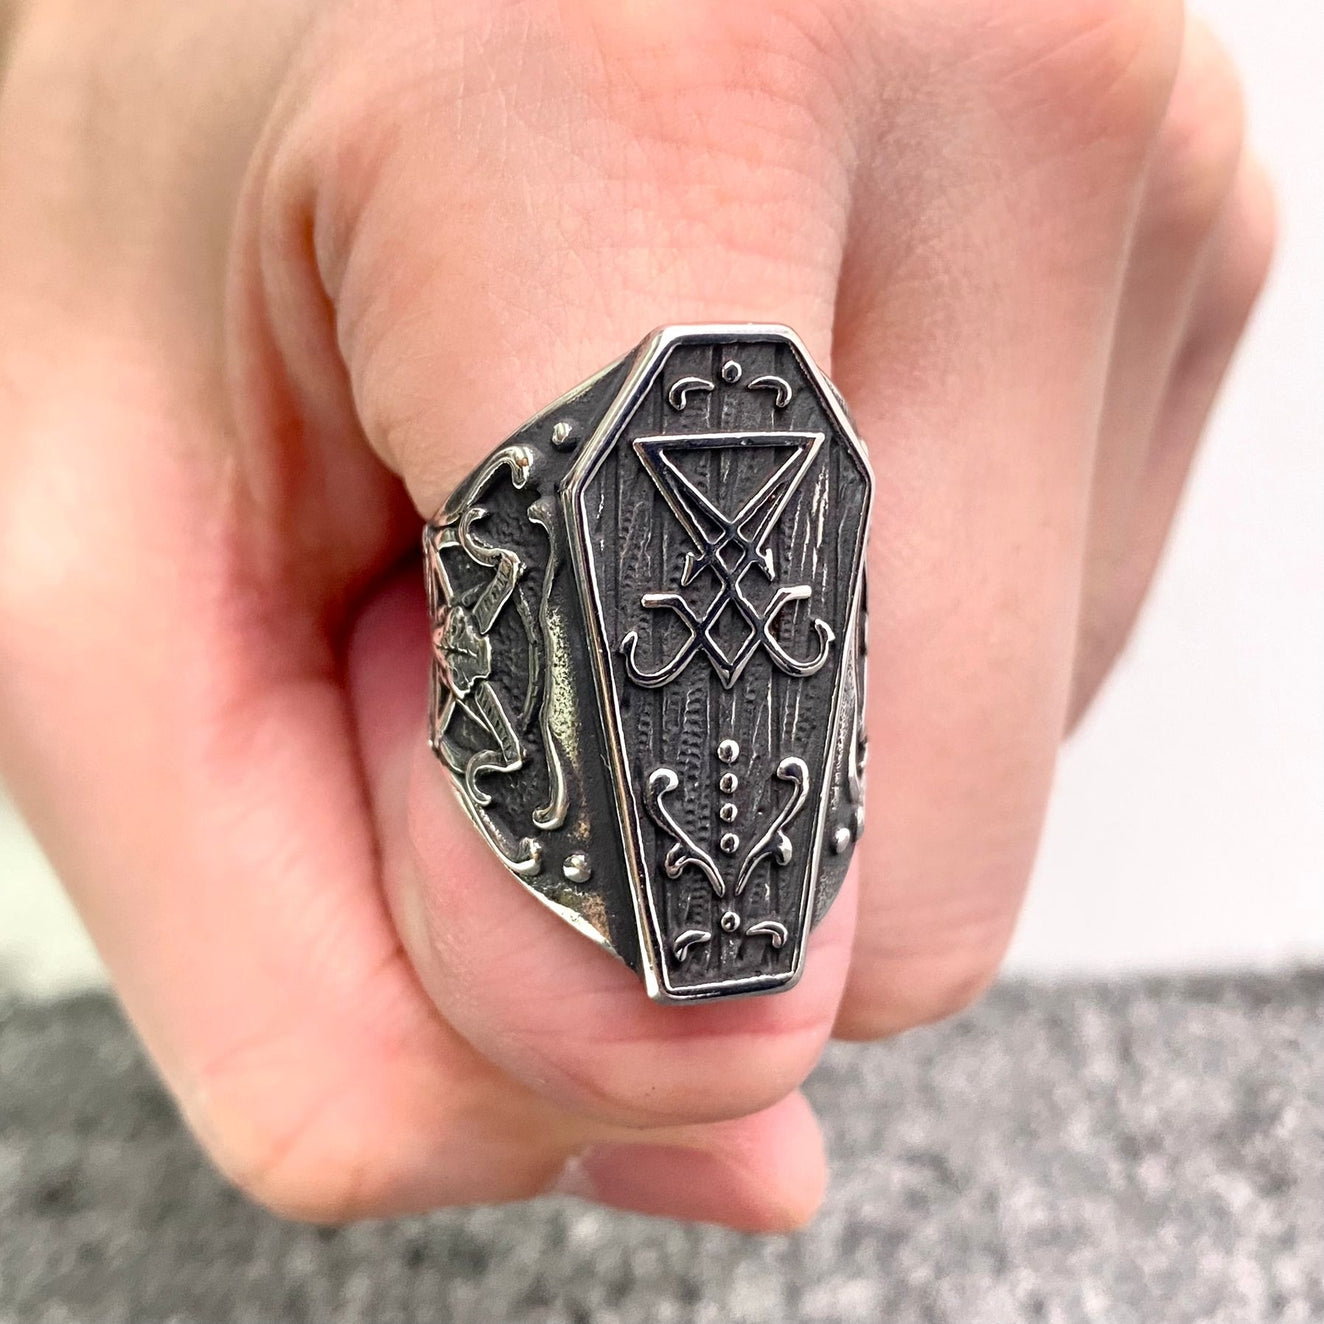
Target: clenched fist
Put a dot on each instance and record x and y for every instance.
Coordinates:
(275, 274)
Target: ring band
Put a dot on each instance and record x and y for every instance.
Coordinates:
(648, 655)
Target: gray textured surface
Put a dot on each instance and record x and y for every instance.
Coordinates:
(1148, 1152)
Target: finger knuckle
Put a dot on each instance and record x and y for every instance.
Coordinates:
(291, 1176)
(747, 43)
(607, 152)
(1107, 619)
(1241, 256)
(1258, 227)
(895, 995)
(292, 1152)
(287, 1178)
(655, 67)
(1200, 143)
(1092, 70)
(36, 568)
(743, 96)
(14, 598)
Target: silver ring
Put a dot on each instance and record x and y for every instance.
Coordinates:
(648, 655)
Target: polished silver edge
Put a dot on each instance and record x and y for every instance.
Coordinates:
(649, 358)
(829, 392)
(586, 583)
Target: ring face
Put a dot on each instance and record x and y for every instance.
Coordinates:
(648, 628)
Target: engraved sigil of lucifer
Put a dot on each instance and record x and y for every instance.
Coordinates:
(730, 546)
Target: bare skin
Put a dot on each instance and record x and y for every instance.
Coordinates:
(273, 276)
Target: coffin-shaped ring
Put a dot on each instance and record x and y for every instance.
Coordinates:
(648, 626)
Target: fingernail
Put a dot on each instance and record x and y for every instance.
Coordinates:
(573, 1179)
(665, 1180)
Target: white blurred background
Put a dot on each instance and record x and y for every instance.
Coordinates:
(1187, 829)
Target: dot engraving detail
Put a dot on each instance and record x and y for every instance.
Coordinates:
(578, 868)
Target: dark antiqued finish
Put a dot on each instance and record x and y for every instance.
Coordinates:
(648, 655)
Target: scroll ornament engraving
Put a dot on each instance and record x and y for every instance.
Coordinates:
(685, 852)
(683, 387)
(464, 621)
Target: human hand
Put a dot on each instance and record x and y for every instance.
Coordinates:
(274, 276)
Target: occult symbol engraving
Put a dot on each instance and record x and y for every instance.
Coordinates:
(463, 646)
(464, 621)
(685, 852)
(729, 546)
